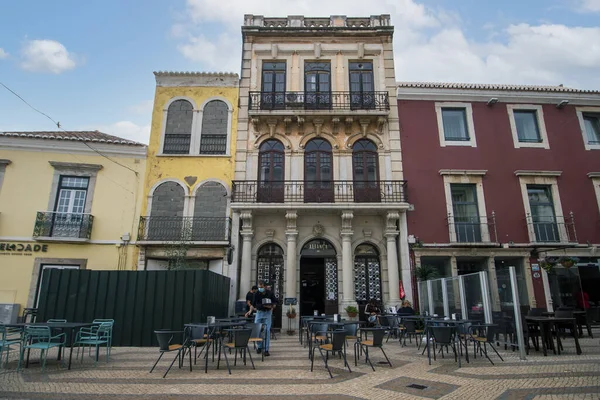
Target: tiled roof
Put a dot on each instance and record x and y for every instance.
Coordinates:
(82, 136)
(493, 86)
(186, 73)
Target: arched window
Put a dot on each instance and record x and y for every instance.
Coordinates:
(178, 129)
(210, 221)
(365, 169)
(367, 273)
(318, 172)
(215, 117)
(271, 173)
(166, 213)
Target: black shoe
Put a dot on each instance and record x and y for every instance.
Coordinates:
(259, 350)
(267, 354)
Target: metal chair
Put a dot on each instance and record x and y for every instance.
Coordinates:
(317, 333)
(375, 342)
(487, 338)
(444, 336)
(107, 331)
(337, 345)
(9, 337)
(240, 341)
(40, 338)
(409, 328)
(351, 331)
(94, 337)
(165, 338)
(257, 335)
(198, 337)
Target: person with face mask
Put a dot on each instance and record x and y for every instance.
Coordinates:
(264, 302)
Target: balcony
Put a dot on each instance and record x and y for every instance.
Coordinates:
(472, 229)
(319, 192)
(319, 101)
(69, 227)
(551, 229)
(185, 229)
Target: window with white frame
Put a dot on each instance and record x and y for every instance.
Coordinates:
(595, 176)
(3, 164)
(213, 138)
(527, 126)
(455, 124)
(589, 121)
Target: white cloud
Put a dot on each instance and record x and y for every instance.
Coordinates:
(3, 54)
(47, 56)
(126, 129)
(430, 44)
(590, 5)
(143, 107)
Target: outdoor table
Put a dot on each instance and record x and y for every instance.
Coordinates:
(546, 323)
(217, 326)
(56, 326)
(580, 316)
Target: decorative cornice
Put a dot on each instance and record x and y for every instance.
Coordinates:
(473, 172)
(493, 86)
(76, 166)
(4, 162)
(204, 79)
(525, 172)
(593, 174)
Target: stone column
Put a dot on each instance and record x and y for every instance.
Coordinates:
(246, 267)
(391, 234)
(347, 261)
(290, 265)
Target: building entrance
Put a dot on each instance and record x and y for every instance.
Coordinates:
(318, 278)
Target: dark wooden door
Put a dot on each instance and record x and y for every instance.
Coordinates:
(365, 167)
(362, 86)
(273, 86)
(271, 174)
(318, 172)
(317, 85)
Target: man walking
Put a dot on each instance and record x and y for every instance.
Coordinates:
(250, 299)
(264, 302)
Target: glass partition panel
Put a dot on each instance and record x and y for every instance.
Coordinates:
(508, 318)
(437, 297)
(565, 285)
(474, 297)
(453, 290)
(423, 297)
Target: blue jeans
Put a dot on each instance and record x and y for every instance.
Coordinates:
(265, 318)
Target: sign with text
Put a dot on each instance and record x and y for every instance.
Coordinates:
(22, 249)
(290, 301)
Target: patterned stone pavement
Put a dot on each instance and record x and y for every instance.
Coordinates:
(286, 375)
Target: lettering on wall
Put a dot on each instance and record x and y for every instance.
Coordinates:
(22, 249)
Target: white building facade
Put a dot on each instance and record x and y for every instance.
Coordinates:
(319, 201)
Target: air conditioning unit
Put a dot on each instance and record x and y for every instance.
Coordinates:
(9, 313)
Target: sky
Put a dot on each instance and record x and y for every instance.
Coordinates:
(88, 64)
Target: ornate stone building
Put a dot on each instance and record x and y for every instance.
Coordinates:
(318, 199)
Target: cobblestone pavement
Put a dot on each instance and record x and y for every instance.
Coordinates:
(286, 375)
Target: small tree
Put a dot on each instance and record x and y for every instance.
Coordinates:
(426, 272)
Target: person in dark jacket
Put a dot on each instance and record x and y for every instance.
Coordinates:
(249, 299)
(264, 302)
(406, 308)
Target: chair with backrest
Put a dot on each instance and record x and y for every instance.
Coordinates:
(165, 340)
(484, 335)
(198, 337)
(409, 328)
(375, 342)
(304, 323)
(317, 334)
(40, 338)
(444, 336)
(240, 339)
(9, 337)
(96, 337)
(351, 331)
(257, 335)
(90, 333)
(393, 326)
(337, 345)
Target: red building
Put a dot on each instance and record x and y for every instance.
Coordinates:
(504, 176)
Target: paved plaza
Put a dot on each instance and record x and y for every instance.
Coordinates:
(286, 374)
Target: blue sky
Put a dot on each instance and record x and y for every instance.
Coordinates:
(89, 64)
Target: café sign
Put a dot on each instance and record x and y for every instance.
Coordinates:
(22, 249)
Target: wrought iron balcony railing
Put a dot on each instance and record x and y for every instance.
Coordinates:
(184, 229)
(472, 229)
(552, 229)
(63, 225)
(319, 192)
(290, 101)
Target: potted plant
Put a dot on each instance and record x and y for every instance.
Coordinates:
(568, 261)
(548, 263)
(291, 313)
(351, 311)
(426, 272)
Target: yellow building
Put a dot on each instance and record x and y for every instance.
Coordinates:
(67, 200)
(185, 220)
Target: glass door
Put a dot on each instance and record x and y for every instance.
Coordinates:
(70, 205)
(317, 85)
(362, 87)
(273, 86)
(366, 172)
(318, 172)
(466, 213)
(271, 172)
(542, 214)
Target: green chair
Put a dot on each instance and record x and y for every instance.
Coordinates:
(8, 337)
(95, 336)
(90, 333)
(40, 338)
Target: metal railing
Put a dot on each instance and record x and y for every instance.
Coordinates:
(319, 192)
(552, 229)
(319, 101)
(184, 229)
(472, 229)
(63, 225)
